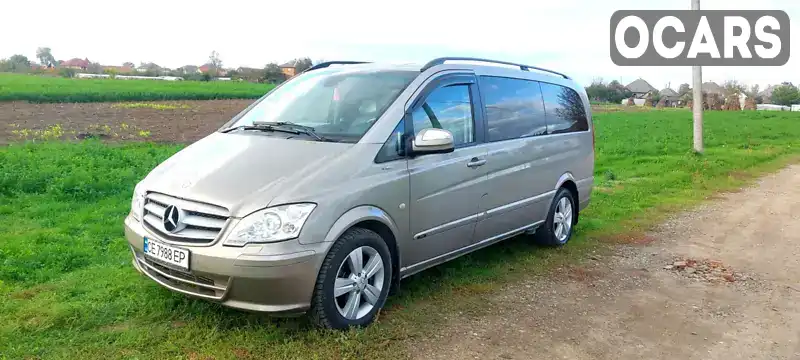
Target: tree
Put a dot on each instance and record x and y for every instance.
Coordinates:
(617, 92)
(273, 74)
(597, 91)
(215, 61)
(785, 94)
(753, 93)
(129, 64)
(684, 89)
(94, 68)
(303, 64)
(16, 63)
(45, 56)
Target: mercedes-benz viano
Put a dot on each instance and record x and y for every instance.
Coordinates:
(322, 195)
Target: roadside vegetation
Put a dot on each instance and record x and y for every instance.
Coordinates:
(68, 290)
(48, 89)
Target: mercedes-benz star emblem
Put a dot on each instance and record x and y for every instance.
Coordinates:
(172, 219)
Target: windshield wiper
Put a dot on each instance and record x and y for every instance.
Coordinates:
(282, 126)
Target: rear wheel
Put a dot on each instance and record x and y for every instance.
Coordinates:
(354, 281)
(557, 229)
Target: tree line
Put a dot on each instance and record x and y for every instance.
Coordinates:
(785, 94)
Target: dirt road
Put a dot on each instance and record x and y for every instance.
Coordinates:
(720, 282)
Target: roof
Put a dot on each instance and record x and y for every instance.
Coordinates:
(640, 86)
(76, 62)
(289, 64)
(712, 87)
(668, 92)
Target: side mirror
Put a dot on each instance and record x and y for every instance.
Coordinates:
(433, 141)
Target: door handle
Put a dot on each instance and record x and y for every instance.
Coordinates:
(475, 162)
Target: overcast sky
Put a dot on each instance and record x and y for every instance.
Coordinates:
(571, 36)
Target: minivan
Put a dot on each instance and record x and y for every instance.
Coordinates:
(323, 194)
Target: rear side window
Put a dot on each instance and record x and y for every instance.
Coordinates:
(564, 108)
(514, 108)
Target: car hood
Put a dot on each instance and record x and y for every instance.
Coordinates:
(242, 172)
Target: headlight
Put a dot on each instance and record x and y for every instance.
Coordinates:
(271, 224)
(137, 203)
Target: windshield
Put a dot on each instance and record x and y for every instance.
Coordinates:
(338, 103)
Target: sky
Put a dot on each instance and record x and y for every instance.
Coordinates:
(570, 36)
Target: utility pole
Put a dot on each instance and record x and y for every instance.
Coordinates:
(697, 95)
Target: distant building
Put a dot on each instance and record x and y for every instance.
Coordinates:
(205, 68)
(189, 69)
(713, 88)
(670, 97)
(78, 64)
(289, 68)
(766, 94)
(640, 88)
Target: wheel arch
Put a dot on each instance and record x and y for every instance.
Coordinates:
(567, 181)
(375, 219)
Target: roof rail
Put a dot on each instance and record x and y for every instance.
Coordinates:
(329, 63)
(441, 60)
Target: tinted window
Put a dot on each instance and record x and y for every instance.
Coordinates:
(565, 112)
(514, 108)
(447, 108)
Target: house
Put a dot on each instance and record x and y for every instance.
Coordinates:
(75, 63)
(149, 67)
(670, 96)
(289, 68)
(766, 94)
(713, 88)
(250, 74)
(640, 88)
(189, 69)
(206, 68)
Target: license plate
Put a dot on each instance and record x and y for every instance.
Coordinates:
(166, 254)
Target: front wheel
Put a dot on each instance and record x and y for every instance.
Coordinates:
(557, 229)
(354, 281)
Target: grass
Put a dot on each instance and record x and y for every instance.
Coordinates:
(67, 288)
(44, 89)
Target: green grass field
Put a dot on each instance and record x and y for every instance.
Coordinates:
(68, 290)
(44, 89)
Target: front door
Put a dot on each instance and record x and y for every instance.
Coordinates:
(446, 189)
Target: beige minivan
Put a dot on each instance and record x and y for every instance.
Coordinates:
(326, 192)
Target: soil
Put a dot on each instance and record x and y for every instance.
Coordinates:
(182, 122)
(719, 282)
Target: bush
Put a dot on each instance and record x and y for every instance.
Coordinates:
(67, 72)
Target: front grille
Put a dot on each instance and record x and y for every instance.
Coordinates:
(204, 222)
(185, 282)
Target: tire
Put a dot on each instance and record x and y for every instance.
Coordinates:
(548, 234)
(361, 296)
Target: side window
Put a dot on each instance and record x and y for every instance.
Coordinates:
(514, 108)
(564, 108)
(393, 147)
(448, 108)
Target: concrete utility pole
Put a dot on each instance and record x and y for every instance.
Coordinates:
(697, 96)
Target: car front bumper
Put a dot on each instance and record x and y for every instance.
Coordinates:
(276, 278)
